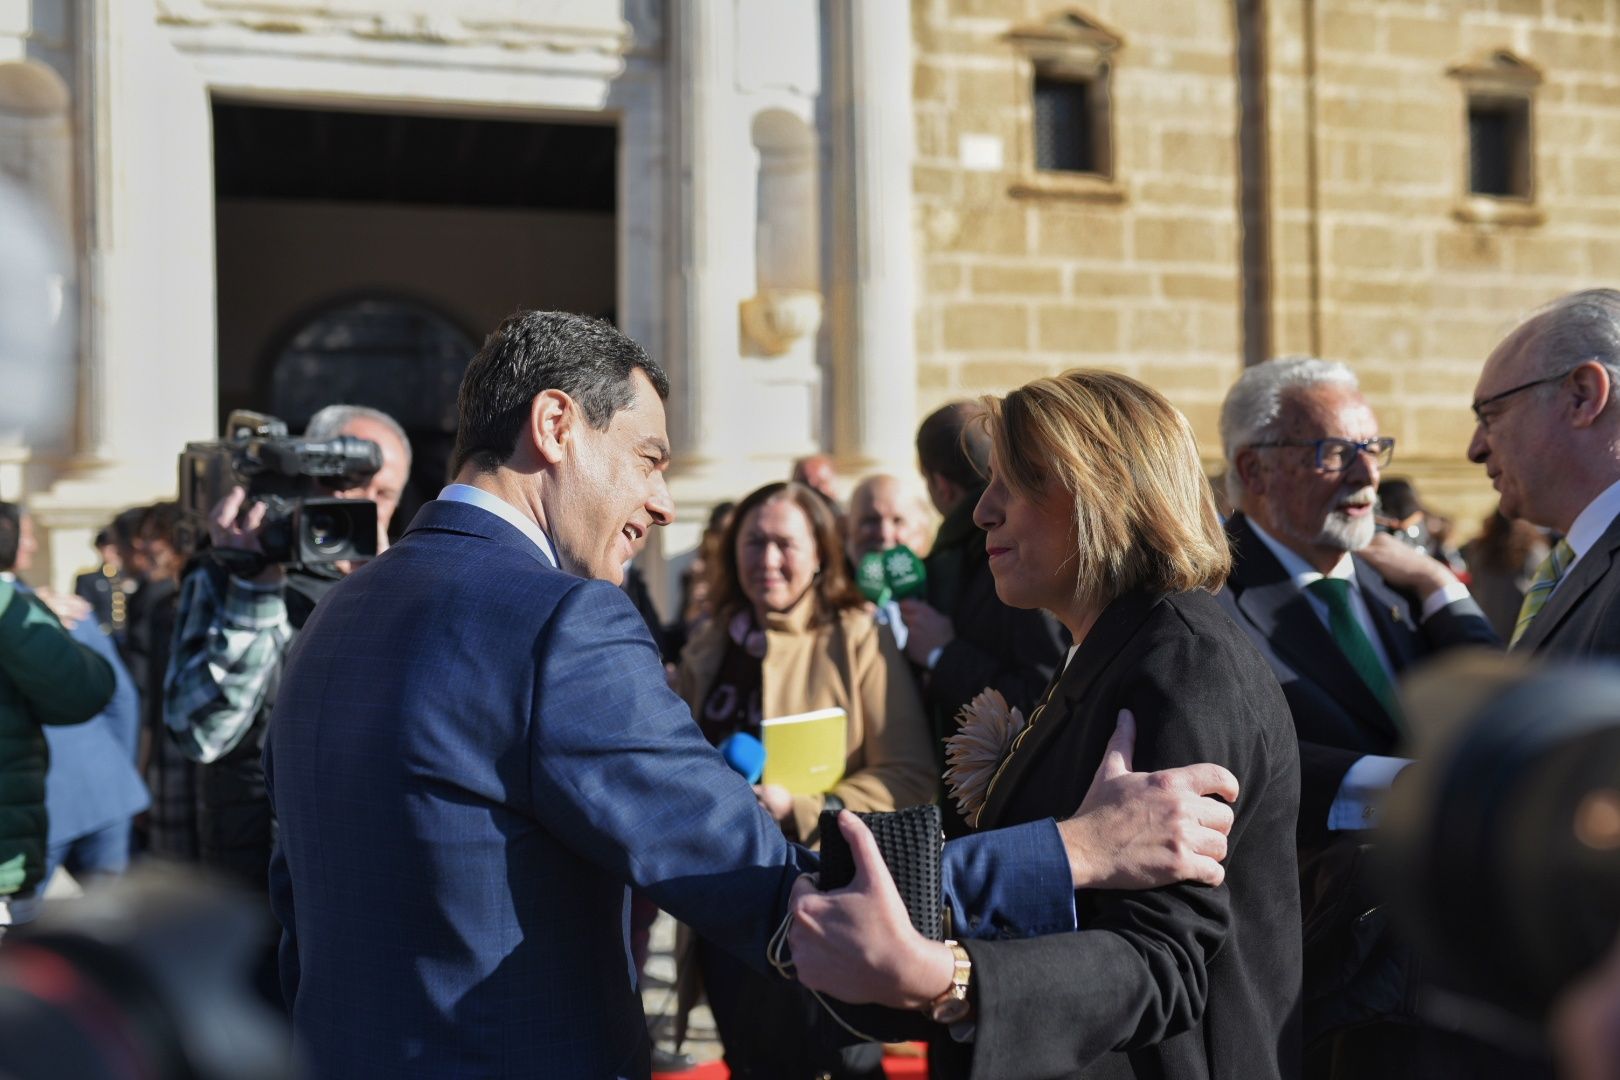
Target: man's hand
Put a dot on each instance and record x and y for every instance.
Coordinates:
(70, 608)
(1142, 830)
(926, 630)
(229, 527)
(776, 799)
(1405, 567)
(857, 943)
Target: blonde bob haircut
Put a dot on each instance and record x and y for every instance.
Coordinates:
(1143, 512)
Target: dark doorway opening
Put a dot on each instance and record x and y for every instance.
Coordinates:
(363, 255)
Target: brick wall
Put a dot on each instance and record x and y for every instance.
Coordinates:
(1371, 261)
(1021, 285)
(1409, 292)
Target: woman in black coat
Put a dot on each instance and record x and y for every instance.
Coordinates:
(1097, 510)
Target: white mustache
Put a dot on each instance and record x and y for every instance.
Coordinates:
(1364, 497)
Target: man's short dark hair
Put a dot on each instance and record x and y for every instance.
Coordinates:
(953, 444)
(535, 351)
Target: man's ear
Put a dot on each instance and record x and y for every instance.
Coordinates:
(1592, 384)
(553, 423)
(1251, 471)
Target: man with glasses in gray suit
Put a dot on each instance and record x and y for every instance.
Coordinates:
(1548, 434)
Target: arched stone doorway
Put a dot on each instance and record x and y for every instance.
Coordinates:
(391, 353)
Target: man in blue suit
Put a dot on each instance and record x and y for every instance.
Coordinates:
(474, 751)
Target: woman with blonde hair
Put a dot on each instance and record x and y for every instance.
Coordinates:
(1097, 510)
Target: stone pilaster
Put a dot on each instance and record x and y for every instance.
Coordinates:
(874, 384)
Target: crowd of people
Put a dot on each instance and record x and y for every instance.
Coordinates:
(444, 766)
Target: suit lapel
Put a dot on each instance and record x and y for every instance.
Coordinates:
(1116, 625)
(1591, 569)
(1285, 619)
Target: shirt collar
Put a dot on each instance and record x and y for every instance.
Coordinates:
(472, 496)
(1594, 521)
(1299, 571)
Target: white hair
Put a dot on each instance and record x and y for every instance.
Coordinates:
(1573, 329)
(1254, 404)
(330, 422)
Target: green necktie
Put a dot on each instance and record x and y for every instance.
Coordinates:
(1546, 579)
(1353, 641)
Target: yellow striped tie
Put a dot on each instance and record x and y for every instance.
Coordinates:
(1546, 579)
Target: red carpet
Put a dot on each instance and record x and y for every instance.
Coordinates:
(897, 1068)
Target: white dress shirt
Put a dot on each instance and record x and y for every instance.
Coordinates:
(472, 496)
(1589, 527)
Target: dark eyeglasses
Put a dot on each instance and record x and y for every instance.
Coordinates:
(1478, 406)
(1335, 455)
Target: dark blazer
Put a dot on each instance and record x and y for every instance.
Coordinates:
(1337, 717)
(472, 754)
(1182, 981)
(1582, 616)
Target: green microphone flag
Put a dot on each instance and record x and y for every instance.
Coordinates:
(895, 574)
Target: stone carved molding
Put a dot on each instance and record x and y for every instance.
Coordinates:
(1497, 68)
(638, 30)
(777, 318)
(1068, 44)
(1069, 38)
(787, 305)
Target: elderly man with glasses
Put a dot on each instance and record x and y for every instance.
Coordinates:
(1548, 434)
(1339, 611)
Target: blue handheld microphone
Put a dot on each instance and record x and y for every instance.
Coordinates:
(745, 754)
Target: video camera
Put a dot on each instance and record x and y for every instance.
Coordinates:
(300, 527)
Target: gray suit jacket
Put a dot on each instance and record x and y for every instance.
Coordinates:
(1582, 617)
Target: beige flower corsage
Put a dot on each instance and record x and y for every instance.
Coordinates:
(985, 732)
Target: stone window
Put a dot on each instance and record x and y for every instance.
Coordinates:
(1499, 147)
(1498, 170)
(1068, 125)
(1070, 136)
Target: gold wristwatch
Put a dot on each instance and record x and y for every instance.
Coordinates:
(952, 1006)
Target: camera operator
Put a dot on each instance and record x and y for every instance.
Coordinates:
(233, 633)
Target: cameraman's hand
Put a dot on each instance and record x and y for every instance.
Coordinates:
(230, 527)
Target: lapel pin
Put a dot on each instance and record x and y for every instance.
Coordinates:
(1395, 613)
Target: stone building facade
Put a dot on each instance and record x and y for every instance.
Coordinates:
(240, 192)
(825, 216)
(1287, 177)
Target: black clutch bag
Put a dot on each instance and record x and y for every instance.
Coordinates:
(911, 841)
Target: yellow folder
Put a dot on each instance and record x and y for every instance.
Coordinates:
(805, 752)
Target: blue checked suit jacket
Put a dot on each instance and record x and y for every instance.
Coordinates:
(471, 754)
